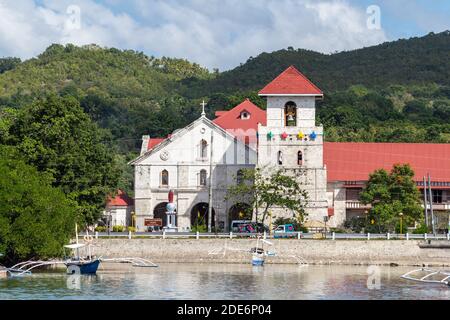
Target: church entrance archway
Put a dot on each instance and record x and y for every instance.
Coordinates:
(160, 213)
(240, 211)
(199, 215)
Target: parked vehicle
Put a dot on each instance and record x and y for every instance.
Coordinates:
(235, 224)
(284, 231)
(153, 229)
(249, 227)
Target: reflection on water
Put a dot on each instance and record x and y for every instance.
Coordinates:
(222, 281)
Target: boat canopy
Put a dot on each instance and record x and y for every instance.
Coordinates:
(75, 246)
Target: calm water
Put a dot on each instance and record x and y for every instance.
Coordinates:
(219, 281)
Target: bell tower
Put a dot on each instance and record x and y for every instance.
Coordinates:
(291, 140)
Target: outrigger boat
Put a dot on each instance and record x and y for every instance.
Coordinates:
(258, 252)
(426, 275)
(77, 264)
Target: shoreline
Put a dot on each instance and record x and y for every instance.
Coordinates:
(313, 252)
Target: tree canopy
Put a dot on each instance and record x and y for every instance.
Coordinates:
(264, 191)
(36, 219)
(391, 194)
(55, 136)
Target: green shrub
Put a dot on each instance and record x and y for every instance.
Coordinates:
(200, 228)
(337, 230)
(118, 229)
(363, 224)
(131, 229)
(356, 224)
(421, 229)
(404, 228)
(100, 229)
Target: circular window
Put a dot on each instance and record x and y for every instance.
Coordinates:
(164, 155)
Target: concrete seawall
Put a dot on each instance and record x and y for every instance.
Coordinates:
(350, 252)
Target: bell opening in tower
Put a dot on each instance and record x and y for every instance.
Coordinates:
(290, 114)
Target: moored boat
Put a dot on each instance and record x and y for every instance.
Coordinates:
(257, 259)
(79, 265)
(258, 252)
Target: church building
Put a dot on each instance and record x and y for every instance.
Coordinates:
(205, 158)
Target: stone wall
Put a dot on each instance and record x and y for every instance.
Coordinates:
(352, 252)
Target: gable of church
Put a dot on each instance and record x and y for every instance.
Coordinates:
(192, 145)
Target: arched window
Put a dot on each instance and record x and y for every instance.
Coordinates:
(202, 181)
(203, 149)
(164, 178)
(280, 157)
(290, 114)
(240, 176)
(300, 158)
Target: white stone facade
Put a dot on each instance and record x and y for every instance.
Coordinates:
(180, 155)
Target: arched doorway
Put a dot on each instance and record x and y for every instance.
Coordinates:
(199, 214)
(240, 211)
(160, 213)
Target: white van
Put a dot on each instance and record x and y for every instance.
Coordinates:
(236, 223)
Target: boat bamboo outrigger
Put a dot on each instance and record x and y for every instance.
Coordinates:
(259, 254)
(81, 261)
(426, 275)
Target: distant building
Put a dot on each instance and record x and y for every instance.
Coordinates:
(118, 210)
(284, 136)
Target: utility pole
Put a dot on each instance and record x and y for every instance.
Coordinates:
(210, 207)
(431, 204)
(425, 200)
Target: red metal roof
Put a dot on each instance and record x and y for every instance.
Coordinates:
(154, 141)
(220, 113)
(292, 82)
(121, 199)
(354, 161)
(242, 128)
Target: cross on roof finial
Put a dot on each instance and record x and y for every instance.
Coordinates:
(203, 104)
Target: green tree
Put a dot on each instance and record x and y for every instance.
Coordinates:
(264, 191)
(9, 63)
(392, 193)
(36, 219)
(57, 137)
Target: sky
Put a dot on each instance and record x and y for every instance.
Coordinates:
(215, 33)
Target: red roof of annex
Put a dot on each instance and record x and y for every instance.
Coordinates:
(120, 200)
(354, 161)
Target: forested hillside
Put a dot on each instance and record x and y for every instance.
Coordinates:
(413, 61)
